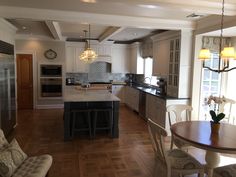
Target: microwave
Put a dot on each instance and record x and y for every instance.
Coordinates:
(51, 70)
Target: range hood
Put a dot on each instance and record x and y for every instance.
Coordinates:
(103, 58)
(100, 67)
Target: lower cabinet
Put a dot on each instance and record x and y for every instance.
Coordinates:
(156, 109)
(132, 98)
(119, 91)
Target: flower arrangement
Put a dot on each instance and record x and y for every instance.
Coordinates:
(216, 101)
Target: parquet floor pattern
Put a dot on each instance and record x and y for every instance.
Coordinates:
(131, 155)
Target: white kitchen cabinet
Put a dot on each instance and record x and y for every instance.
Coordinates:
(160, 58)
(136, 61)
(119, 91)
(73, 62)
(172, 60)
(120, 58)
(156, 109)
(102, 49)
(132, 98)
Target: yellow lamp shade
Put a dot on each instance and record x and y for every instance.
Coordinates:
(228, 52)
(204, 54)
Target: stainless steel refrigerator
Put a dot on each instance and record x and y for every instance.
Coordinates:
(7, 88)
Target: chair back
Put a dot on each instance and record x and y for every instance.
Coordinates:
(157, 134)
(227, 107)
(176, 113)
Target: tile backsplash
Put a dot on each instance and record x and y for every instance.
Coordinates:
(97, 77)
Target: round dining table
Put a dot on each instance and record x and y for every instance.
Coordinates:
(198, 134)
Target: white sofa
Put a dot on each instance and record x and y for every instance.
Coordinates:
(19, 164)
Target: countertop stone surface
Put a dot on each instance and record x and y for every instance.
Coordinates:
(152, 91)
(71, 94)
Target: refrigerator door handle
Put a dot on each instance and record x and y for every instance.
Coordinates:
(8, 77)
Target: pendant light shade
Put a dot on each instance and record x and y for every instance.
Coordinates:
(204, 54)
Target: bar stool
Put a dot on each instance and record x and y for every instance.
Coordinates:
(78, 115)
(109, 125)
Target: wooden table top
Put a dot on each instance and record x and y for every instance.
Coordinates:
(198, 134)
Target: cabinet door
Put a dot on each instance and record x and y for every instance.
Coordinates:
(174, 60)
(120, 60)
(132, 98)
(161, 57)
(118, 90)
(133, 57)
(81, 66)
(70, 59)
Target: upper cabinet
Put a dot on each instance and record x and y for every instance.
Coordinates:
(120, 58)
(160, 56)
(136, 61)
(73, 63)
(116, 54)
(172, 60)
(102, 49)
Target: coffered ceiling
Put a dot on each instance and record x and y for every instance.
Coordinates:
(119, 20)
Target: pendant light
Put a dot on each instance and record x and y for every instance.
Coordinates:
(88, 55)
(224, 55)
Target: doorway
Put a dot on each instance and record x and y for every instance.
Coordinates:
(24, 81)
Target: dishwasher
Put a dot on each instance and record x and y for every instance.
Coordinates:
(142, 105)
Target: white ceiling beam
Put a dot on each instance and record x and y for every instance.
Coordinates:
(55, 29)
(109, 32)
(92, 18)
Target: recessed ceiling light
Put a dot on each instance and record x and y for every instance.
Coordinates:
(24, 27)
(89, 1)
(149, 6)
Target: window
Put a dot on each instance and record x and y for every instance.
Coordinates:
(210, 85)
(149, 79)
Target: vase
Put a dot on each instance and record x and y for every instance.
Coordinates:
(215, 127)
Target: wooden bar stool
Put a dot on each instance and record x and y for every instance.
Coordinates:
(108, 116)
(81, 115)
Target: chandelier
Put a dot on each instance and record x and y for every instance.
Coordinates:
(88, 55)
(224, 55)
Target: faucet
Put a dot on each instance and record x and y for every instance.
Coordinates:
(150, 79)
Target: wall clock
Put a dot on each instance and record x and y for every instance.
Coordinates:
(50, 54)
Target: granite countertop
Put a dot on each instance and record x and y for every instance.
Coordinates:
(71, 94)
(152, 91)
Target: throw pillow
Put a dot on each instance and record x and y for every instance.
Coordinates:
(11, 158)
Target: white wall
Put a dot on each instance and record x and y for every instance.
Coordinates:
(37, 48)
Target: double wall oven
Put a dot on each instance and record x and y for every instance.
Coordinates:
(50, 80)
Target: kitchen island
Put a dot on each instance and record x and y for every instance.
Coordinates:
(75, 99)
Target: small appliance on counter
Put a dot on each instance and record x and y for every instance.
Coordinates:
(161, 86)
(70, 81)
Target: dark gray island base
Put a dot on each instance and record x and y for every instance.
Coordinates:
(79, 100)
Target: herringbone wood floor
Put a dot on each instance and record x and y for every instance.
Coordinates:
(41, 131)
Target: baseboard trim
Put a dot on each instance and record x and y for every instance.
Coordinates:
(54, 106)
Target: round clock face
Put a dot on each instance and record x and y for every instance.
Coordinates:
(50, 54)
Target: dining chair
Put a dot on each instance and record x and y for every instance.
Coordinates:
(228, 107)
(178, 113)
(175, 161)
(225, 171)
